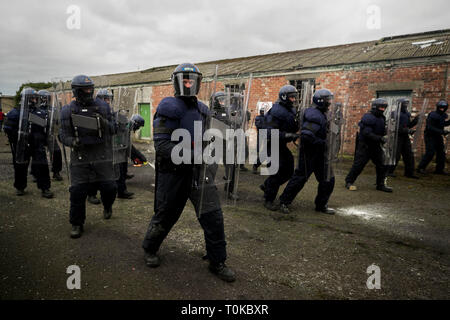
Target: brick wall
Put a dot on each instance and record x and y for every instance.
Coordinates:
(358, 86)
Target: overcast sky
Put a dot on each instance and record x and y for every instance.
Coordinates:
(40, 41)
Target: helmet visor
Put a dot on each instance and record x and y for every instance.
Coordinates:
(187, 84)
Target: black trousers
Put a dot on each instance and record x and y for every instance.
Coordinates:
(363, 153)
(39, 167)
(258, 160)
(311, 160)
(79, 193)
(286, 167)
(121, 182)
(433, 145)
(173, 189)
(56, 161)
(404, 150)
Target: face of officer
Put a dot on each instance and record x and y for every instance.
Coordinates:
(188, 83)
(404, 106)
(85, 95)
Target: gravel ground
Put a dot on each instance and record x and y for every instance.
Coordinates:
(303, 255)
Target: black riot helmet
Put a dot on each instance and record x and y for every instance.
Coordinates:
(323, 99)
(379, 106)
(29, 96)
(44, 98)
(404, 104)
(186, 79)
(105, 95)
(287, 92)
(218, 100)
(442, 106)
(136, 122)
(83, 89)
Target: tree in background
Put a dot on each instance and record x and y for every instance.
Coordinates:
(35, 85)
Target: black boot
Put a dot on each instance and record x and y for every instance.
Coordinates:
(350, 186)
(326, 210)
(47, 194)
(271, 206)
(57, 176)
(232, 196)
(76, 231)
(125, 195)
(421, 171)
(152, 260)
(93, 200)
(222, 272)
(384, 188)
(391, 174)
(242, 168)
(107, 213)
(284, 208)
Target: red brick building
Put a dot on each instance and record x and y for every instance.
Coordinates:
(414, 66)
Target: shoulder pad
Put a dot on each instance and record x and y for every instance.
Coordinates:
(435, 116)
(203, 108)
(13, 114)
(171, 107)
(278, 112)
(313, 115)
(368, 119)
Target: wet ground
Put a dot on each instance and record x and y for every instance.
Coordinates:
(303, 255)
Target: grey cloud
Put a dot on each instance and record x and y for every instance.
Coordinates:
(120, 36)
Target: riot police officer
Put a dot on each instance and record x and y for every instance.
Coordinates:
(434, 142)
(259, 124)
(27, 130)
(312, 155)
(370, 138)
(86, 128)
(175, 183)
(53, 147)
(404, 148)
(134, 124)
(282, 117)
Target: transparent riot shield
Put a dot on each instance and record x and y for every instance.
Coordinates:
(420, 127)
(205, 166)
(87, 136)
(122, 137)
(242, 118)
(54, 125)
(29, 98)
(335, 123)
(305, 101)
(392, 115)
(123, 106)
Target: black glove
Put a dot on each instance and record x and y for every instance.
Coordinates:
(291, 136)
(411, 131)
(307, 139)
(383, 140)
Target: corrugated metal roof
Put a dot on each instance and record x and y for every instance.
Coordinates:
(385, 49)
